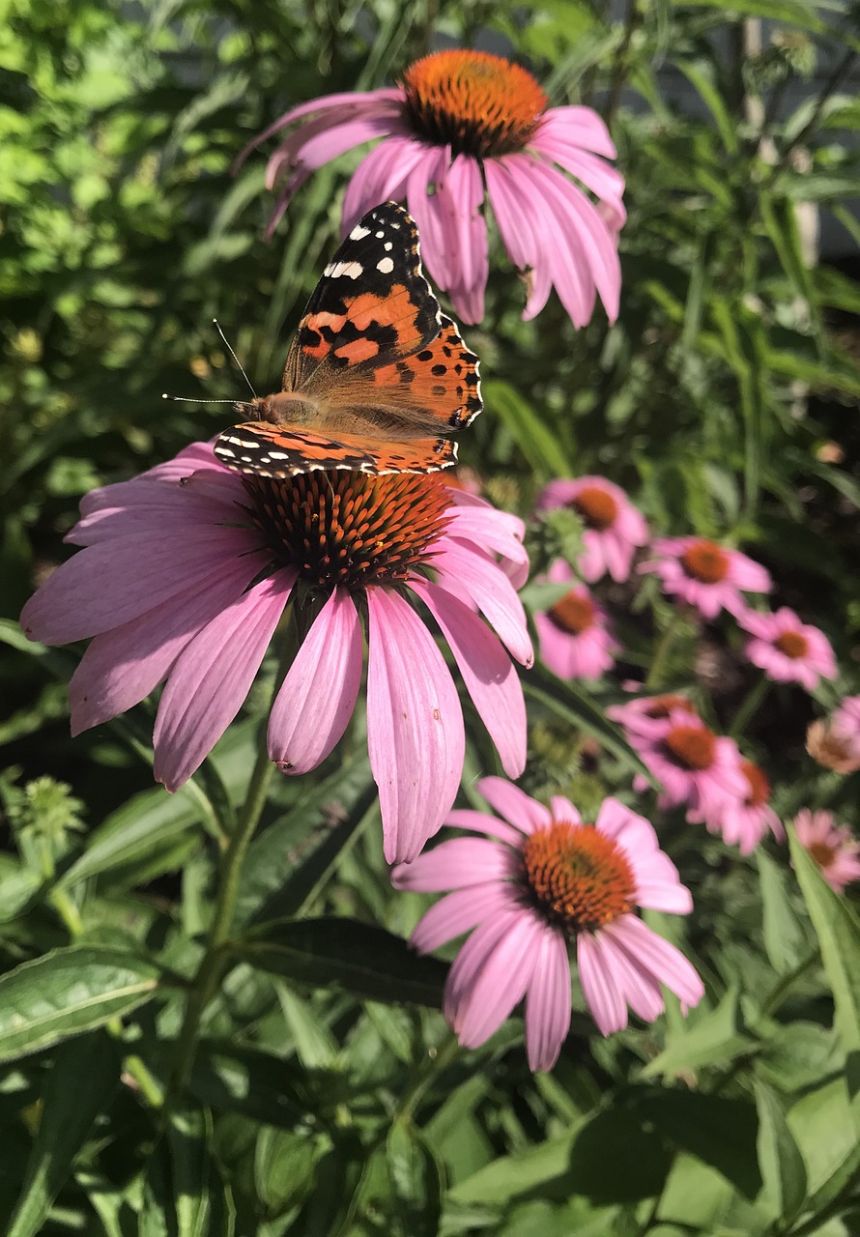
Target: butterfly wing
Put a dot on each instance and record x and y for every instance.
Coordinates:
(372, 306)
(387, 374)
(272, 451)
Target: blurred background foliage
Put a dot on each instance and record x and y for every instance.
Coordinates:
(724, 398)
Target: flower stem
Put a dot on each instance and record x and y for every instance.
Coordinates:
(750, 706)
(661, 653)
(212, 964)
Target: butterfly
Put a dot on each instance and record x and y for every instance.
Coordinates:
(377, 378)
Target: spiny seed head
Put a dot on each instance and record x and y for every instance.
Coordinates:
(579, 878)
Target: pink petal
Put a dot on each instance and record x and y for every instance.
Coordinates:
(480, 822)
(414, 726)
(579, 127)
(460, 197)
(487, 671)
(502, 978)
(548, 1002)
(106, 585)
(427, 212)
(464, 570)
(562, 809)
(661, 959)
(380, 177)
(638, 987)
(318, 695)
(514, 804)
(211, 678)
(350, 103)
(454, 865)
(522, 233)
(123, 666)
(599, 985)
(457, 913)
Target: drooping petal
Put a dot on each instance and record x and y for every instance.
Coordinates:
(518, 808)
(487, 671)
(457, 913)
(463, 569)
(454, 865)
(460, 196)
(415, 729)
(481, 822)
(145, 570)
(123, 665)
(318, 695)
(502, 979)
(349, 103)
(659, 957)
(425, 209)
(580, 127)
(211, 678)
(599, 985)
(548, 1002)
(380, 177)
(522, 233)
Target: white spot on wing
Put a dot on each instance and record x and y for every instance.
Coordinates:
(385, 265)
(358, 233)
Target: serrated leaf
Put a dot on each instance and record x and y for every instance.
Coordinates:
(358, 958)
(714, 1037)
(67, 992)
(83, 1076)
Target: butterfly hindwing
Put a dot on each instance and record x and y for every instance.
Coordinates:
(272, 451)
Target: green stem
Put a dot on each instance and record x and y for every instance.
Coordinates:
(212, 964)
(750, 706)
(662, 651)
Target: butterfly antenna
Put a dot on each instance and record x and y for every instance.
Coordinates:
(239, 365)
(186, 399)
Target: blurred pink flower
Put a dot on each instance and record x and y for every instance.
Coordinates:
(537, 879)
(787, 650)
(846, 718)
(462, 124)
(573, 636)
(832, 846)
(613, 526)
(185, 576)
(706, 575)
(695, 767)
(646, 716)
(744, 822)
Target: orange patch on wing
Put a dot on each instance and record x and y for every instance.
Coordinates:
(357, 350)
(367, 307)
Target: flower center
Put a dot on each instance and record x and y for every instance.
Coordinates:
(662, 706)
(344, 528)
(692, 747)
(597, 508)
(573, 614)
(793, 644)
(822, 853)
(477, 103)
(706, 562)
(758, 791)
(577, 876)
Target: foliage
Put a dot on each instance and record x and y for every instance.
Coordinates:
(326, 1095)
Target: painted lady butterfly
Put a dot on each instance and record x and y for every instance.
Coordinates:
(377, 377)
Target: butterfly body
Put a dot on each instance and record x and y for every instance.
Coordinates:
(377, 379)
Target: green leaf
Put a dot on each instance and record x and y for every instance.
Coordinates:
(539, 445)
(838, 932)
(573, 706)
(822, 1125)
(188, 1137)
(130, 834)
(784, 938)
(701, 75)
(782, 1168)
(18, 887)
(284, 1167)
(255, 1084)
(714, 1038)
(359, 958)
(81, 1080)
(66, 992)
(416, 1185)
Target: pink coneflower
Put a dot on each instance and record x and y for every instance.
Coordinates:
(647, 715)
(462, 124)
(539, 879)
(832, 846)
(787, 650)
(744, 822)
(695, 767)
(186, 574)
(573, 635)
(706, 575)
(613, 526)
